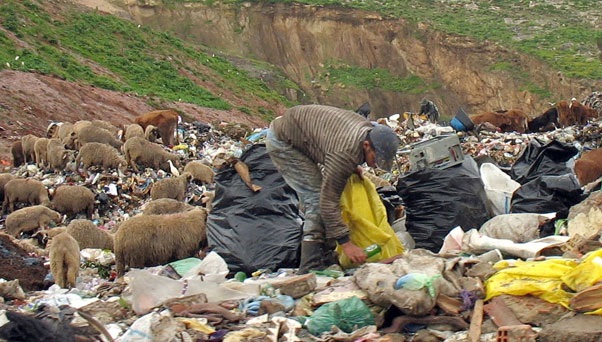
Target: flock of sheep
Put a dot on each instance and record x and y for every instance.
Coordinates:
(167, 229)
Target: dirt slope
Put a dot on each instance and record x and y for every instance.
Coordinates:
(29, 102)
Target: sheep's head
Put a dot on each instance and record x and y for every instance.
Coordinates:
(70, 141)
(57, 217)
(187, 176)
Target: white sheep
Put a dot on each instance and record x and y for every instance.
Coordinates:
(28, 146)
(150, 240)
(141, 151)
(58, 156)
(29, 219)
(73, 199)
(99, 154)
(200, 172)
(91, 133)
(173, 187)
(24, 190)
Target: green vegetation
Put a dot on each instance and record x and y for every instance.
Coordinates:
(116, 54)
(336, 73)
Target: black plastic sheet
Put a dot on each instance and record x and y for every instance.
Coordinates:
(438, 200)
(540, 159)
(255, 230)
(548, 184)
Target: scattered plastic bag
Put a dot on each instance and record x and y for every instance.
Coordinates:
(149, 291)
(347, 314)
(417, 281)
(521, 227)
(538, 278)
(586, 274)
(155, 326)
(366, 216)
(213, 268)
(499, 188)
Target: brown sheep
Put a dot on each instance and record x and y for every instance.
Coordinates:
(174, 187)
(73, 199)
(89, 236)
(166, 122)
(29, 219)
(133, 130)
(151, 133)
(140, 151)
(164, 206)
(39, 148)
(151, 240)
(99, 154)
(64, 260)
(28, 143)
(58, 156)
(16, 149)
(200, 172)
(24, 190)
(91, 133)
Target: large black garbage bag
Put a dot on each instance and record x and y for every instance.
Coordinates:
(438, 200)
(391, 200)
(547, 194)
(540, 159)
(548, 183)
(255, 230)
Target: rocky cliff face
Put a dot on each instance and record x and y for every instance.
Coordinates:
(301, 39)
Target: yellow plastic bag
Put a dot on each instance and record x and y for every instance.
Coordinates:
(537, 278)
(366, 216)
(587, 273)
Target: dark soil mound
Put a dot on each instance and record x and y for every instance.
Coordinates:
(17, 264)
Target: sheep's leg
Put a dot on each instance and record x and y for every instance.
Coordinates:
(71, 275)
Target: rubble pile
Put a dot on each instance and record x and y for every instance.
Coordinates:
(520, 275)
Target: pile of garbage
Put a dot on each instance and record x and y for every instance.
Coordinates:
(500, 241)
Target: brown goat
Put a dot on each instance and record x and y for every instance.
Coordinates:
(588, 167)
(166, 122)
(513, 120)
(574, 113)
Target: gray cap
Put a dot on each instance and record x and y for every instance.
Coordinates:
(385, 142)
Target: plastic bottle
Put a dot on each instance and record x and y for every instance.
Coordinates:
(372, 250)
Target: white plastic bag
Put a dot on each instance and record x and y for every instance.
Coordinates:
(499, 188)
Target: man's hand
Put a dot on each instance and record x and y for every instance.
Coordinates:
(359, 170)
(354, 253)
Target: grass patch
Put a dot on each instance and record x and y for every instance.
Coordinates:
(364, 78)
(115, 54)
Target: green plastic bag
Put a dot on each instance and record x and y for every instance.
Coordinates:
(347, 314)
